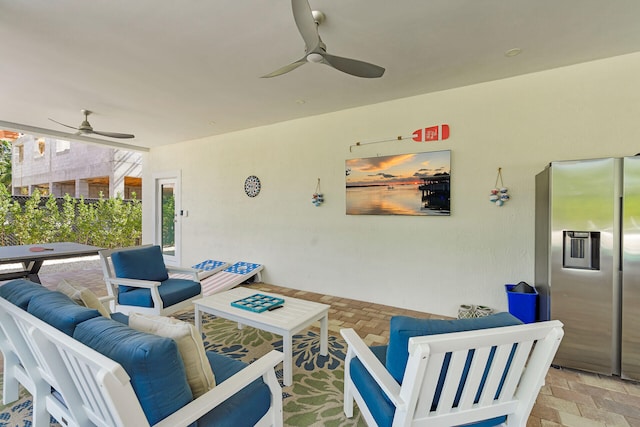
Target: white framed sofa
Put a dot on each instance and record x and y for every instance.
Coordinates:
(90, 370)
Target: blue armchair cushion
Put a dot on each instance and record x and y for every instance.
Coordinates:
(144, 264)
(20, 291)
(60, 311)
(378, 403)
(153, 363)
(402, 328)
(172, 291)
(246, 407)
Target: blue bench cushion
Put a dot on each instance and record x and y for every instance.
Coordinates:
(153, 363)
(60, 311)
(172, 291)
(144, 264)
(403, 327)
(20, 291)
(246, 407)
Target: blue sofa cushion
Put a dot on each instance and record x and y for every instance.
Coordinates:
(172, 291)
(144, 264)
(20, 291)
(246, 407)
(402, 328)
(60, 311)
(120, 317)
(153, 363)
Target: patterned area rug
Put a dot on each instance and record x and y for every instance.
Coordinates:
(314, 399)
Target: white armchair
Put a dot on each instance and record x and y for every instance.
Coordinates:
(479, 377)
(138, 281)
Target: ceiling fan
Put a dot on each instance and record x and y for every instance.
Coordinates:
(86, 129)
(316, 51)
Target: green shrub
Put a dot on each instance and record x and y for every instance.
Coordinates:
(107, 223)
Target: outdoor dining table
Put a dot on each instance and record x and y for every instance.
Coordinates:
(32, 256)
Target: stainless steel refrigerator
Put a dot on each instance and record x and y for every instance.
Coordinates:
(587, 269)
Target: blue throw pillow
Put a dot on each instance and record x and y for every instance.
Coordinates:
(153, 363)
(402, 328)
(60, 311)
(144, 264)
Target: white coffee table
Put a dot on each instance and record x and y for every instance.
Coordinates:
(295, 315)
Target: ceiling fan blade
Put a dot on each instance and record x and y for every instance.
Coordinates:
(306, 24)
(286, 68)
(353, 66)
(55, 121)
(112, 134)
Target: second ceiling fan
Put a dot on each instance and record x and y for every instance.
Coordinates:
(85, 128)
(316, 51)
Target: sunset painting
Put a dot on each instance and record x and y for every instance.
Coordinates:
(403, 184)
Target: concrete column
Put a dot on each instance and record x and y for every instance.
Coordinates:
(82, 188)
(55, 188)
(116, 184)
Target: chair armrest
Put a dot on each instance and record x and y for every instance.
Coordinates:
(205, 403)
(184, 270)
(137, 283)
(376, 369)
(106, 299)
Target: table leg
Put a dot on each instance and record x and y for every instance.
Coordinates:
(287, 363)
(324, 335)
(33, 267)
(198, 319)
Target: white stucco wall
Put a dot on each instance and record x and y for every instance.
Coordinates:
(431, 264)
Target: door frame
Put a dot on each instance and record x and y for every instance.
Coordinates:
(160, 179)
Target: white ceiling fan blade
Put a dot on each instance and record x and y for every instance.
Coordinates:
(353, 66)
(113, 134)
(306, 24)
(286, 68)
(55, 121)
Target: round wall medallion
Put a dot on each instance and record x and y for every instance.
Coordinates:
(252, 186)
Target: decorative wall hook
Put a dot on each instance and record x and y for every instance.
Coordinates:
(499, 195)
(318, 198)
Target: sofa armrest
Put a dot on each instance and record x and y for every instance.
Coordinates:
(376, 369)
(263, 367)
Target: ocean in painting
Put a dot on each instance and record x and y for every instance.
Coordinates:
(384, 200)
(405, 184)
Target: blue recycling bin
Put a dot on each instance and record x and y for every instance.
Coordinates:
(523, 305)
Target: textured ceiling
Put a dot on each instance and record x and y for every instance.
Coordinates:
(169, 71)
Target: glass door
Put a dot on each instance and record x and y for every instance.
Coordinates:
(167, 233)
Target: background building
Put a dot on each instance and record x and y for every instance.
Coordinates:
(61, 167)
